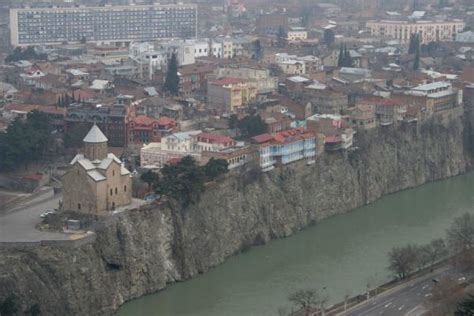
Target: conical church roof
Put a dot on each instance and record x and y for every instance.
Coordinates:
(95, 135)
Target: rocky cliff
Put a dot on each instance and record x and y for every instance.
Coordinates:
(143, 250)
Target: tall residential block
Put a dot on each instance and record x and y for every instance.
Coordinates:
(102, 25)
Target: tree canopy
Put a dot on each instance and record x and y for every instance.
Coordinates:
(150, 178)
(184, 181)
(25, 141)
(74, 135)
(403, 260)
(251, 125)
(28, 53)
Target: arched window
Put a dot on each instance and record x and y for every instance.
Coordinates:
(116, 190)
(79, 206)
(111, 192)
(124, 188)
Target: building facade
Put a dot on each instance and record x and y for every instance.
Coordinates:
(430, 31)
(97, 181)
(285, 147)
(230, 94)
(106, 24)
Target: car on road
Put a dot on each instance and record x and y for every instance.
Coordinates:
(47, 212)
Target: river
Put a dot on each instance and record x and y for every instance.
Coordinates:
(340, 254)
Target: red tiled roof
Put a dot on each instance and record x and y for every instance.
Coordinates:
(382, 101)
(21, 107)
(227, 81)
(144, 120)
(50, 109)
(34, 177)
(332, 139)
(215, 138)
(164, 120)
(291, 134)
(284, 136)
(263, 138)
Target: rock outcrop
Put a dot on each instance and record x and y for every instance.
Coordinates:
(141, 251)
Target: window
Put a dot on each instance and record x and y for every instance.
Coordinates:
(113, 173)
(116, 190)
(79, 206)
(111, 192)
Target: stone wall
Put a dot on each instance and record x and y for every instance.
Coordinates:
(144, 250)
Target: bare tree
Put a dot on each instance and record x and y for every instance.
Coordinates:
(347, 295)
(403, 260)
(305, 299)
(461, 233)
(446, 295)
(324, 297)
(283, 311)
(433, 252)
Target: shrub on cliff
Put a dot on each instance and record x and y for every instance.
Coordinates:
(8, 306)
(184, 180)
(215, 167)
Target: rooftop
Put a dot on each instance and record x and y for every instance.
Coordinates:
(95, 135)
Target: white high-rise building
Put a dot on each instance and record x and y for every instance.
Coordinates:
(102, 24)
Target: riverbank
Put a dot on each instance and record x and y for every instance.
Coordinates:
(148, 248)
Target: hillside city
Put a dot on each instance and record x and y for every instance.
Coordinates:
(107, 107)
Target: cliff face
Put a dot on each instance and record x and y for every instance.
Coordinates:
(143, 250)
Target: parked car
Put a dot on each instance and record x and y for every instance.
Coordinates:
(47, 212)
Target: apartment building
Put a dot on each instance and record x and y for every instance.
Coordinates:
(259, 76)
(285, 147)
(102, 24)
(175, 146)
(296, 34)
(432, 97)
(230, 94)
(430, 31)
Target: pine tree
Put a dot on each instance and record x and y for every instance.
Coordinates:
(340, 60)
(67, 100)
(281, 37)
(172, 79)
(329, 37)
(412, 45)
(258, 49)
(416, 62)
(347, 58)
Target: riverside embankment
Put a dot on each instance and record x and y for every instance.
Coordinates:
(147, 249)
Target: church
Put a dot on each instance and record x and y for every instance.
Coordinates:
(97, 181)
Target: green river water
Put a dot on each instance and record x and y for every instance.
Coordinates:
(342, 253)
